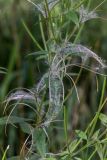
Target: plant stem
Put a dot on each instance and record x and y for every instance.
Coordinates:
(50, 20)
(42, 33)
(99, 108)
(92, 154)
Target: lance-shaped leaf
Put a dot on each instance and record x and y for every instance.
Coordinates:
(3, 70)
(13, 120)
(14, 158)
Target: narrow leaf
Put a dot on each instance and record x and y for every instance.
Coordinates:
(39, 139)
(103, 118)
(12, 120)
(81, 134)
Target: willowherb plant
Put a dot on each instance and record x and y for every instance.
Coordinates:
(47, 96)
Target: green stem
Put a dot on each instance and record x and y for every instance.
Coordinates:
(99, 108)
(65, 122)
(4, 155)
(42, 33)
(79, 4)
(50, 20)
(91, 156)
(66, 128)
(79, 33)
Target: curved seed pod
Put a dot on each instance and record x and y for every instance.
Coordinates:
(42, 83)
(21, 95)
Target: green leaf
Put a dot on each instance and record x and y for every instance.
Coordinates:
(41, 57)
(103, 118)
(71, 148)
(4, 155)
(99, 149)
(26, 128)
(81, 134)
(72, 145)
(73, 17)
(38, 53)
(32, 157)
(39, 138)
(12, 120)
(50, 159)
(95, 135)
(38, 1)
(14, 158)
(3, 70)
(76, 158)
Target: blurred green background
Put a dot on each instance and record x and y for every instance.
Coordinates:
(15, 44)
